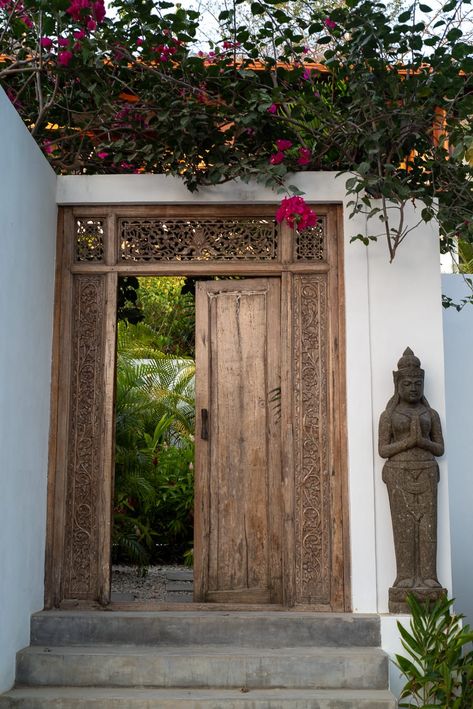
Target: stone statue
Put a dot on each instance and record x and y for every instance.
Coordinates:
(410, 436)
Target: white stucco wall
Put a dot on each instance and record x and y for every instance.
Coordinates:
(405, 310)
(27, 234)
(458, 331)
(388, 307)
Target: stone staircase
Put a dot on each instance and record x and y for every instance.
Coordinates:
(201, 660)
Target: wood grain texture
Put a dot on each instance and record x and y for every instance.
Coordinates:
(106, 470)
(55, 497)
(243, 540)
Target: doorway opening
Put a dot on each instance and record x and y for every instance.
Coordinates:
(153, 500)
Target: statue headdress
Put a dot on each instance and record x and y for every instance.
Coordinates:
(408, 366)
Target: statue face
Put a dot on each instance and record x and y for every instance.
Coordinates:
(411, 389)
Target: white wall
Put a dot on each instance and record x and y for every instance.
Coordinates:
(388, 307)
(27, 236)
(405, 310)
(458, 333)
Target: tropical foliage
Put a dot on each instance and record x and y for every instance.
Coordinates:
(168, 308)
(130, 92)
(154, 481)
(438, 667)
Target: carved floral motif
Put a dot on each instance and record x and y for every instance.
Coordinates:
(84, 449)
(225, 239)
(89, 239)
(312, 482)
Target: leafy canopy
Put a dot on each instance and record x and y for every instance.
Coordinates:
(131, 93)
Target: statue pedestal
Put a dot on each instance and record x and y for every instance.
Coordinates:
(397, 597)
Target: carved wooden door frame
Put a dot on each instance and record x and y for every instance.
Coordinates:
(96, 245)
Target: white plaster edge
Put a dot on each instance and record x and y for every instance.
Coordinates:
(166, 189)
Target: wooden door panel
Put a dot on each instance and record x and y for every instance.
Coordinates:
(238, 334)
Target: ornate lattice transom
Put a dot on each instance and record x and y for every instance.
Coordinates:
(89, 239)
(310, 244)
(224, 239)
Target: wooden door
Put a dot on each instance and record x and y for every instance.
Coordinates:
(238, 460)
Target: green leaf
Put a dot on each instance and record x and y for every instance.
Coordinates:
(405, 16)
(295, 190)
(257, 8)
(415, 42)
(454, 34)
(425, 8)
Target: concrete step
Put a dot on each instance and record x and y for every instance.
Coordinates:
(203, 666)
(93, 698)
(244, 628)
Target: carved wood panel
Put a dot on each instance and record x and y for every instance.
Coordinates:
(311, 243)
(229, 239)
(311, 428)
(84, 438)
(89, 239)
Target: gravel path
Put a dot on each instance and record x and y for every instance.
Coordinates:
(127, 585)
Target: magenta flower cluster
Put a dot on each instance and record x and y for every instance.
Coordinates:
(304, 154)
(90, 14)
(296, 212)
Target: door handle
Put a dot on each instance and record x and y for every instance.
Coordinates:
(204, 430)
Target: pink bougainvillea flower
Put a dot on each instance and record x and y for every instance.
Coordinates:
(139, 41)
(91, 25)
(273, 108)
(47, 147)
(63, 41)
(296, 212)
(329, 24)
(46, 42)
(79, 34)
(64, 58)
(99, 11)
(283, 144)
(76, 7)
(304, 156)
(307, 74)
(102, 155)
(276, 158)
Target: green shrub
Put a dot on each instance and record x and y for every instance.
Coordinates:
(439, 664)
